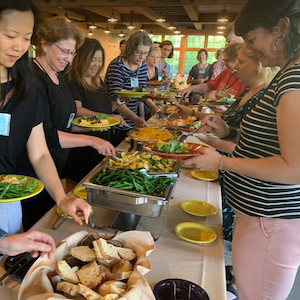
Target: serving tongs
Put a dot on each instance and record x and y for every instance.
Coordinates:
(158, 174)
(15, 268)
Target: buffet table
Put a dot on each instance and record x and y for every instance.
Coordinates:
(172, 256)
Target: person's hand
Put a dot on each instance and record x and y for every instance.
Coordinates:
(139, 122)
(80, 129)
(216, 125)
(119, 117)
(184, 111)
(102, 146)
(219, 109)
(77, 208)
(31, 241)
(186, 92)
(166, 73)
(208, 161)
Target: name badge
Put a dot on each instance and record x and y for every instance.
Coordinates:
(201, 71)
(71, 118)
(5, 124)
(134, 82)
(222, 92)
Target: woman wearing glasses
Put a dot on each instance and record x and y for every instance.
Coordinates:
(56, 44)
(128, 72)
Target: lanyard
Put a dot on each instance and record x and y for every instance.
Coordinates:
(226, 85)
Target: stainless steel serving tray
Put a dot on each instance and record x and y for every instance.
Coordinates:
(128, 201)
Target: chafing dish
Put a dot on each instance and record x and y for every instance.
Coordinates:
(136, 144)
(128, 201)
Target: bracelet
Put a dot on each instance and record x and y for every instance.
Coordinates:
(120, 102)
(232, 133)
(221, 164)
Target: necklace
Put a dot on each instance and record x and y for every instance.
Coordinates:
(226, 85)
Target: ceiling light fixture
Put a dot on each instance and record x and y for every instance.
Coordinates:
(67, 18)
(171, 26)
(142, 28)
(131, 26)
(92, 26)
(220, 32)
(90, 33)
(160, 18)
(106, 30)
(112, 17)
(151, 34)
(223, 17)
(177, 31)
(221, 27)
(121, 34)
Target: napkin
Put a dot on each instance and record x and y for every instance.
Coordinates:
(36, 285)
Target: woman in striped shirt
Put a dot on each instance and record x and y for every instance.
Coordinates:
(262, 177)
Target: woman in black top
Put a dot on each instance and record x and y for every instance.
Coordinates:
(21, 127)
(91, 98)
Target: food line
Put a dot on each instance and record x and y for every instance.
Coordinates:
(172, 257)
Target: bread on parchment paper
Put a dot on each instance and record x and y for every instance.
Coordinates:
(66, 272)
(83, 253)
(90, 275)
(88, 293)
(126, 253)
(112, 287)
(68, 288)
(106, 253)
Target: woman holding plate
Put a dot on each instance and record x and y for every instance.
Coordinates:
(91, 98)
(262, 177)
(56, 44)
(21, 127)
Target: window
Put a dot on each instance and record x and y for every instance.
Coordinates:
(173, 62)
(190, 61)
(156, 38)
(211, 57)
(175, 39)
(216, 42)
(195, 41)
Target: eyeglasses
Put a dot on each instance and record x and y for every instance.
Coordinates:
(139, 53)
(66, 52)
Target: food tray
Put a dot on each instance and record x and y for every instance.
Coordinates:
(128, 201)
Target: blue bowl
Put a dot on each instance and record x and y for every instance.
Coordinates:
(164, 290)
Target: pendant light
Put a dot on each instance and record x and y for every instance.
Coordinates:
(90, 33)
(112, 17)
(106, 30)
(131, 26)
(92, 26)
(223, 18)
(121, 34)
(171, 26)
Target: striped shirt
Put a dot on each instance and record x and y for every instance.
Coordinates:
(259, 138)
(118, 77)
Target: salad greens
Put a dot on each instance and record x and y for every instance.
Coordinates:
(95, 118)
(172, 146)
(229, 98)
(16, 190)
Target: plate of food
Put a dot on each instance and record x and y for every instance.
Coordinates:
(162, 95)
(18, 187)
(205, 175)
(198, 208)
(226, 100)
(159, 82)
(181, 289)
(189, 124)
(174, 149)
(195, 233)
(96, 122)
(135, 93)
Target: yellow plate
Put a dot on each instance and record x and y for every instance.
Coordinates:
(61, 213)
(205, 175)
(195, 233)
(80, 191)
(37, 190)
(111, 121)
(198, 208)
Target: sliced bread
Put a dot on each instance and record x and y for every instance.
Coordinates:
(65, 272)
(88, 293)
(112, 287)
(90, 275)
(83, 253)
(68, 288)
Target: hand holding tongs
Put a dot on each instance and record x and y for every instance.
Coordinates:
(15, 268)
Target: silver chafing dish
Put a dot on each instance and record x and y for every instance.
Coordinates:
(125, 200)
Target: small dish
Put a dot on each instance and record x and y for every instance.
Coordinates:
(80, 191)
(205, 175)
(195, 233)
(198, 208)
(182, 289)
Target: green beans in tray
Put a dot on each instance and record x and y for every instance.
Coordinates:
(133, 180)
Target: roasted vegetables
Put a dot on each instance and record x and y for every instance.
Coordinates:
(173, 146)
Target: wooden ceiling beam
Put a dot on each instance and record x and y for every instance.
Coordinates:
(61, 11)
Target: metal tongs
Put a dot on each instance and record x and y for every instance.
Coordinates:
(175, 291)
(15, 268)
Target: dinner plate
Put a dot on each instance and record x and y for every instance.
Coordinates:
(80, 191)
(195, 233)
(172, 123)
(216, 103)
(161, 98)
(198, 208)
(175, 90)
(205, 175)
(194, 151)
(158, 83)
(130, 94)
(111, 121)
(37, 190)
(164, 290)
